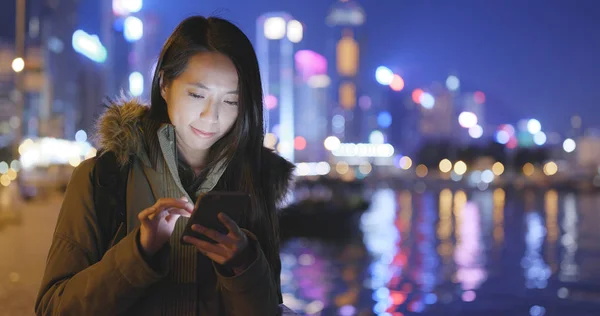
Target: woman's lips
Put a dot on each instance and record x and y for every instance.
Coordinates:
(201, 133)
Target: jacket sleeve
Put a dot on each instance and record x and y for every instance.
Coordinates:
(78, 279)
(252, 292)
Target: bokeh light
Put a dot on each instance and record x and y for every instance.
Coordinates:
(445, 165)
(569, 145)
(384, 75)
(384, 119)
(452, 83)
(416, 95)
(460, 167)
(550, 168)
(397, 83)
(498, 168)
(467, 119)
(476, 131)
(427, 100)
(534, 126)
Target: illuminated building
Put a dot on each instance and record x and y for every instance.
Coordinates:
(312, 83)
(276, 35)
(345, 19)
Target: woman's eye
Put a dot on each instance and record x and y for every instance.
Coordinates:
(196, 96)
(231, 102)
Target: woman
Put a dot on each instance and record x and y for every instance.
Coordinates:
(203, 131)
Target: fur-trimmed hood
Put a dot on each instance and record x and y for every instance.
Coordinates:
(121, 130)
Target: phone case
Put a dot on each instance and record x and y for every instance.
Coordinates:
(209, 205)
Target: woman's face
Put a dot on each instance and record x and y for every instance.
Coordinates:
(203, 101)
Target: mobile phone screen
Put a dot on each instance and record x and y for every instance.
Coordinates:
(209, 205)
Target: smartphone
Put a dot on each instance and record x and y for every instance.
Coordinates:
(209, 205)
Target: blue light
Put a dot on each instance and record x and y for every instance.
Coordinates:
(384, 119)
(89, 46)
(134, 29)
(502, 137)
(384, 75)
(430, 298)
(539, 138)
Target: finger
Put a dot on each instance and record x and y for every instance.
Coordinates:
(163, 204)
(231, 225)
(178, 211)
(205, 247)
(214, 235)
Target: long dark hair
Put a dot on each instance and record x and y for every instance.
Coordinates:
(241, 147)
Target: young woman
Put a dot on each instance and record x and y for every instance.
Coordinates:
(203, 131)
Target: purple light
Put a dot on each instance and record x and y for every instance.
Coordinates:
(310, 63)
(347, 310)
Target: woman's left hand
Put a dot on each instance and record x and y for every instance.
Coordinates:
(231, 249)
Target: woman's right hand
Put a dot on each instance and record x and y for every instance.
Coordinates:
(158, 222)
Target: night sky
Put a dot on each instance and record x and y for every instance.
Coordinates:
(532, 58)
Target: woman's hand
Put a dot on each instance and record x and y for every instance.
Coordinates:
(231, 249)
(158, 222)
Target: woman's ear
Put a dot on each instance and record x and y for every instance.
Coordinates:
(163, 88)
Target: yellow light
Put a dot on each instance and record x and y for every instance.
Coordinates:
(319, 81)
(460, 167)
(445, 165)
(347, 95)
(550, 168)
(4, 180)
(342, 167)
(405, 162)
(528, 169)
(270, 140)
(18, 64)
(421, 171)
(274, 28)
(91, 153)
(74, 161)
(347, 55)
(25, 145)
(12, 174)
(365, 168)
(498, 168)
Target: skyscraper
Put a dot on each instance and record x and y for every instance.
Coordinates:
(345, 19)
(276, 34)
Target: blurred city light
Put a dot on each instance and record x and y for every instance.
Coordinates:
(376, 137)
(3, 167)
(18, 64)
(270, 140)
(539, 138)
(397, 83)
(310, 63)
(528, 169)
(133, 29)
(125, 7)
(337, 123)
(467, 119)
(136, 84)
(365, 168)
(445, 165)
(421, 171)
(332, 143)
(550, 168)
(534, 126)
(270, 102)
(427, 100)
(384, 75)
(416, 95)
(89, 46)
(274, 28)
(452, 83)
(81, 136)
(487, 176)
(460, 167)
(299, 143)
(479, 97)
(569, 145)
(498, 168)
(476, 131)
(576, 121)
(319, 81)
(342, 167)
(502, 137)
(295, 31)
(384, 119)
(365, 102)
(405, 162)
(364, 150)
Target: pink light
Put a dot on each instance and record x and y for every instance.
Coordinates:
(364, 102)
(310, 63)
(468, 296)
(270, 102)
(479, 97)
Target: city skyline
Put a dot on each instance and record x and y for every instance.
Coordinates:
(527, 58)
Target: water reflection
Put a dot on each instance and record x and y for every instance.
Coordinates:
(433, 252)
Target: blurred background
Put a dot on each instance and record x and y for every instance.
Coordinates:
(447, 152)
